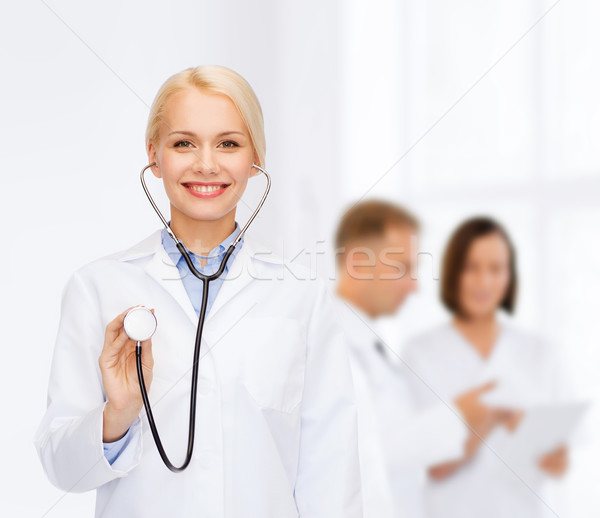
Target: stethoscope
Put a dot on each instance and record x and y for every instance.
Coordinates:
(140, 324)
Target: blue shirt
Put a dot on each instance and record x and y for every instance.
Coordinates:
(193, 287)
(192, 284)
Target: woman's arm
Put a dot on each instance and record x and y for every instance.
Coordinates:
(443, 470)
(481, 420)
(119, 378)
(69, 439)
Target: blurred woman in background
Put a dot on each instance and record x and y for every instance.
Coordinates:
(479, 280)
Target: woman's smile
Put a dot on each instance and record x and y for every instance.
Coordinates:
(206, 190)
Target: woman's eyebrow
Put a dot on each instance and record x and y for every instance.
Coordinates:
(192, 134)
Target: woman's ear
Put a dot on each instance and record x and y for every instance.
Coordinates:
(253, 170)
(152, 158)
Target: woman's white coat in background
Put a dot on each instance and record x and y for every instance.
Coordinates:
(276, 431)
(523, 366)
(396, 442)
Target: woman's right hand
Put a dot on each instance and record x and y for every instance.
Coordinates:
(119, 377)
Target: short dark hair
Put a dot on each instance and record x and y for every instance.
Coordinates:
(371, 218)
(456, 253)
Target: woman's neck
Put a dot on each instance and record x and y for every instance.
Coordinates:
(481, 332)
(201, 236)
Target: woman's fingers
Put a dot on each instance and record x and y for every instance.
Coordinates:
(556, 462)
(115, 337)
(147, 362)
(117, 323)
(482, 389)
(147, 358)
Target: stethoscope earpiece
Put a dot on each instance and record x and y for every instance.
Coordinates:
(172, 234)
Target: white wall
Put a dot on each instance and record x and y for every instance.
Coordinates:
(350, 89)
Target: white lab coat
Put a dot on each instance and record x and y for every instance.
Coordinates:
(396, 442)
(522, 366)
(276, 431)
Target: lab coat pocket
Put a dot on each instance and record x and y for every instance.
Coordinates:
(274, 361)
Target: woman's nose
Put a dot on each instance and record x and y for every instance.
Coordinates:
(205, 161)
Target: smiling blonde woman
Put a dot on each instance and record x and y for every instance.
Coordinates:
(276, 418)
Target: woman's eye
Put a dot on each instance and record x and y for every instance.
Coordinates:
(180, 143)
(229, 144)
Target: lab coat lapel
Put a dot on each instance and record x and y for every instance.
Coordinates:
(241, 272)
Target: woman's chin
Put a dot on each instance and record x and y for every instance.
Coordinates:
(477, 313)
(214, 214)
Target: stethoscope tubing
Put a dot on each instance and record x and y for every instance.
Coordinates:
(195, 367)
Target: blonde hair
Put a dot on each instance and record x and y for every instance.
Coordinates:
(215, 79)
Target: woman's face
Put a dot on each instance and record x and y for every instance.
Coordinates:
(204, 155)
(486, 275)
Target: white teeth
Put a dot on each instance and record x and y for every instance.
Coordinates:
(205, 188)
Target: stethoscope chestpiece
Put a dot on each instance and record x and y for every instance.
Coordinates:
(139, 323)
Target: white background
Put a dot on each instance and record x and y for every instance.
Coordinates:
(451, 108)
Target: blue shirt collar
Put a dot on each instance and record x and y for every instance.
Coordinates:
(215, 254)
